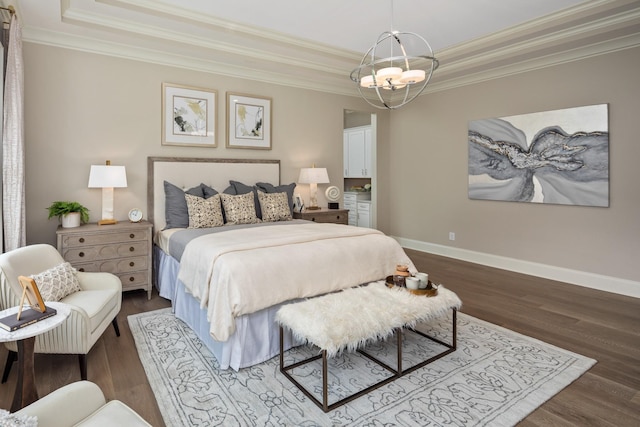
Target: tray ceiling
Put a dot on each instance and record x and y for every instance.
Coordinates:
(315, 45)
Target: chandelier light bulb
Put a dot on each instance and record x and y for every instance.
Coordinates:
(412, 76)
(390, 73)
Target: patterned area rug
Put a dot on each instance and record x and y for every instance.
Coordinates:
(496, 377)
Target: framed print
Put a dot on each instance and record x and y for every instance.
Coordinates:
(248, 121)
(188, 116)
(32, 294)
(298, 204)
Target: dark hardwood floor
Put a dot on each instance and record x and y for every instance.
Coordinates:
(593, 323)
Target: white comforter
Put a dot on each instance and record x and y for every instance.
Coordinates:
(242, 271)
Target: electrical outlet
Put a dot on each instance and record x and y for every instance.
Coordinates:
(452, 235)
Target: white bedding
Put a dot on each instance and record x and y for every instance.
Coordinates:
(242, 271)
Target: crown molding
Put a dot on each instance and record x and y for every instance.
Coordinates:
(589, 29)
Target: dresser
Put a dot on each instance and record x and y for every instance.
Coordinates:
(337, 216)
(123, 249)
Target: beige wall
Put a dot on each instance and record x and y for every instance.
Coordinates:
(82, 109)
(429, 164)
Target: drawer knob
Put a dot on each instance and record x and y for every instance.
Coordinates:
(81, 240)
(132, 235)
(131, 264)
(313, 219)
(131, 279)
(131, 249)
(81, 269)
(81, 254)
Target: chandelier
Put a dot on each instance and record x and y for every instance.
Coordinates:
(389, 82)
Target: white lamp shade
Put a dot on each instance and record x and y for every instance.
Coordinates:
(392, 73)
(412, 76)
(103, 176)
(313, 176)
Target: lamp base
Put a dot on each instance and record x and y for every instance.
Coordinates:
(312, 208)
(107, 222)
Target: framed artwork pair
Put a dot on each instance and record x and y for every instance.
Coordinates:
(189, 118)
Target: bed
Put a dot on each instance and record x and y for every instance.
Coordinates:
(228, 281)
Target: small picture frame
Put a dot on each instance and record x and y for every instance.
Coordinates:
(31, 293)
(248, 121)
(188, 116)
(298, 204)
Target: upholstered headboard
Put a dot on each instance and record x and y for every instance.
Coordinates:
(187, 172)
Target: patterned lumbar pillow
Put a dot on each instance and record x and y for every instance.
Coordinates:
(275, 206)
(204, 213)
(57, 282)
(239, 209)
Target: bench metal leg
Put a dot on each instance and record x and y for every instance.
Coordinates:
(396, 373)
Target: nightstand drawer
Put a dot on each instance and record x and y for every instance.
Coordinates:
(101, 252)
(133, 280)
(336, 216)
(115, 265)
(89, 239)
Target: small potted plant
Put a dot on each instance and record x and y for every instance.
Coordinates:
(71, 214)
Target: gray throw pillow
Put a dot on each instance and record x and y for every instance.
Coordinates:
(285, 188)
(176, 212)
(207, 191)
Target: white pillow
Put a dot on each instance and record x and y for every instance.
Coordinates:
(57, 282)
(204, 213)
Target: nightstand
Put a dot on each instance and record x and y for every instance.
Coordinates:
(123, 249)
(337, 216)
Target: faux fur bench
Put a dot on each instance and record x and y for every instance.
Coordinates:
(350, 319)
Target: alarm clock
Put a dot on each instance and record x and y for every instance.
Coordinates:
(135, 215)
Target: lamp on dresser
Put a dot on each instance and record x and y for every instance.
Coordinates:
(107, 177)
(313, 176)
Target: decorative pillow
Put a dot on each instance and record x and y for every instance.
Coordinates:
(287, 188)
(241, 188)
(175, 206)
(16, 420)
(239, 209)
(275, 207)
(204, 213)
(207, 191)
(57, 282)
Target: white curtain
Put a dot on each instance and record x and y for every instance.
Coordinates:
(13, 188)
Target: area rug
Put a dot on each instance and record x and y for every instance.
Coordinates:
(496, 377)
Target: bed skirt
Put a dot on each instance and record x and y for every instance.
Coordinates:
(256, 337)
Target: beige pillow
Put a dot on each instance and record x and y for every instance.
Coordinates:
(57, 282)
(274, 206)
(239, 209)
(204, 213)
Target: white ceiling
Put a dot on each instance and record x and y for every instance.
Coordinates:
(315, 44)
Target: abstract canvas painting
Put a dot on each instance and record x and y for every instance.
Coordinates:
(557, 157)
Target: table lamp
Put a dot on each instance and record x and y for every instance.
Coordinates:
(107, 177)
(313, 176)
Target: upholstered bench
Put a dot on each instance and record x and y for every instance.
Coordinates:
(350, 319)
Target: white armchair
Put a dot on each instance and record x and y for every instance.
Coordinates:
(81, 404)
(93, 308)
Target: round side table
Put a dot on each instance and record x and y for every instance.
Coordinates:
(25, 338)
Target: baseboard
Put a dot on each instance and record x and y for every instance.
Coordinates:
(574, 277)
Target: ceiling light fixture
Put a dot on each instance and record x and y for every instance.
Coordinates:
(393, 81)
